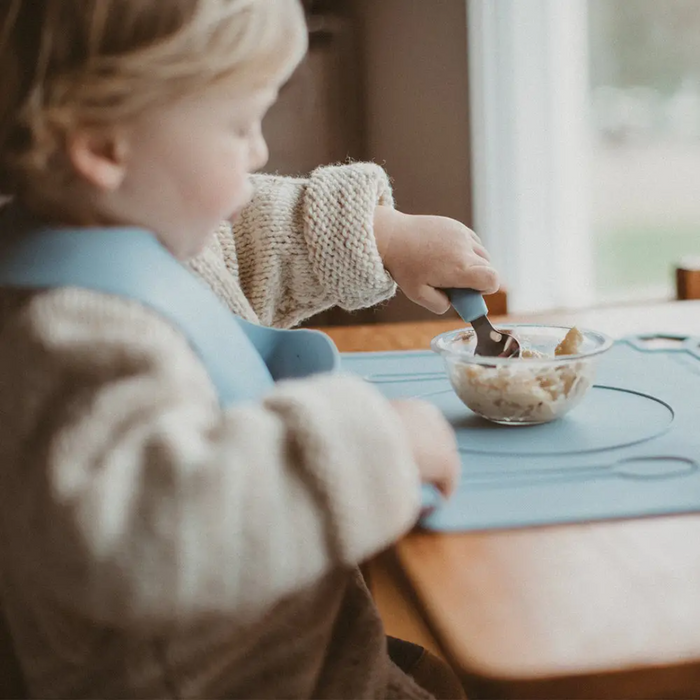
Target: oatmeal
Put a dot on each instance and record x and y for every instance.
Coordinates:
(523, 390)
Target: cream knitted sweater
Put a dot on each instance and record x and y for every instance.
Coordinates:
(153, 545)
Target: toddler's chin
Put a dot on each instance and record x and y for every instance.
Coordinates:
(193, 247)
(240, 206)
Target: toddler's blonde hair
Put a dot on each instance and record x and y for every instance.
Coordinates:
(71, 63)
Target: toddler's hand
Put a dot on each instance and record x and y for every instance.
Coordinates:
(432, 441)
(425, 253)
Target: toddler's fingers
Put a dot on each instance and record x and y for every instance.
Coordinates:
(475, 236)
(446, 439)
(475, 274)
(482, 252)
(483, 278)
(430, 298)
(446, 482)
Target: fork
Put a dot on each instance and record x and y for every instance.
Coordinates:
(471, 307)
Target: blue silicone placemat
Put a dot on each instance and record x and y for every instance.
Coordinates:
(631, 448)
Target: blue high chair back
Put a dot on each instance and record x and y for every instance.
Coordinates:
(242, 359)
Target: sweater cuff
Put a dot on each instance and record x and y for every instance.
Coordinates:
(339, 206)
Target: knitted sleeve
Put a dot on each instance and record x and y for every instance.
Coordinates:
(304, 245)
(149, 504)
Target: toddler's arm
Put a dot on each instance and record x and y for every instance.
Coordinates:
(305, 244)
(145, 503)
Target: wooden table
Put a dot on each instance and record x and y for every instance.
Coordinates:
(600, 610)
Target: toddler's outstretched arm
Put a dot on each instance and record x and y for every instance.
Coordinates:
(304, 245)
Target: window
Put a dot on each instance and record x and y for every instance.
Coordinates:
(586, 141)
(645, 97)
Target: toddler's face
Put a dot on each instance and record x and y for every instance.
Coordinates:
(188, 163)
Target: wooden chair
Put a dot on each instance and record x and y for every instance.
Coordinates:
(688, 279)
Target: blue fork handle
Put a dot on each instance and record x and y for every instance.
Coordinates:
(468, 303)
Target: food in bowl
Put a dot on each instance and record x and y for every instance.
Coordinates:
(555, 370)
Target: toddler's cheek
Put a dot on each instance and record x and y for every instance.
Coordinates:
(221, 195)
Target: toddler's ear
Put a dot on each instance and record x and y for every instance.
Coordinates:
(99, 156)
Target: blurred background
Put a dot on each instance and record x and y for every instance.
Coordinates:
(645, 117)
(566, 132)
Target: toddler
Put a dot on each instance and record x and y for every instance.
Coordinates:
(155, 544)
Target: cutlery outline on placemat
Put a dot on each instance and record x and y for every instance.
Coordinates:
(651, 468)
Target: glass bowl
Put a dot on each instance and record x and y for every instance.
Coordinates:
(525, 390)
